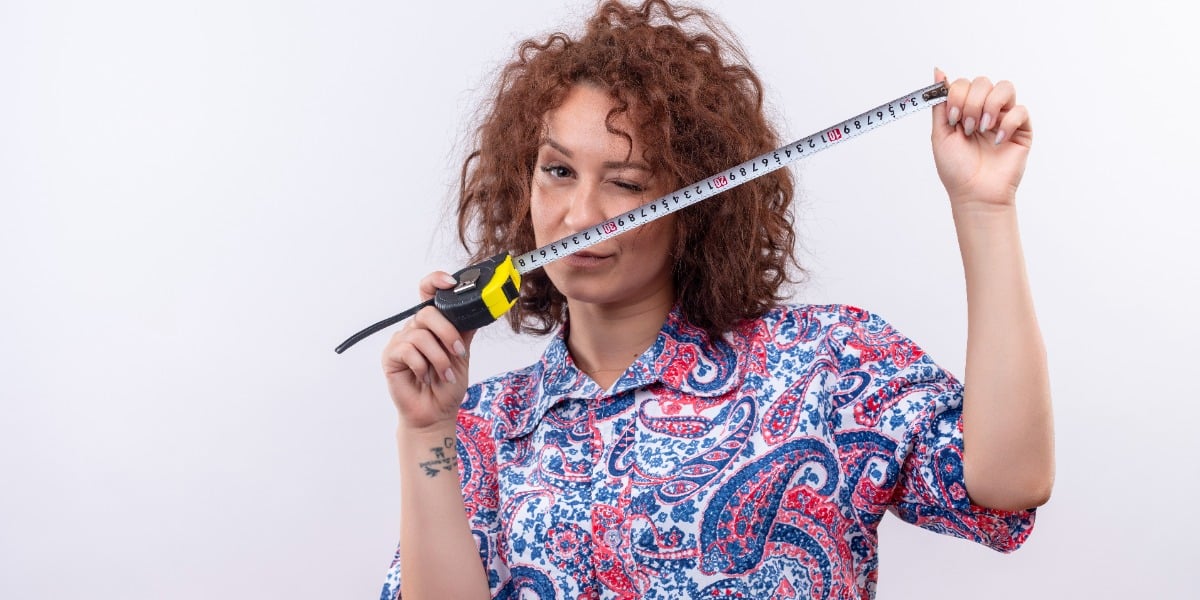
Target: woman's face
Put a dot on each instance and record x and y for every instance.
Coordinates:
(585, 175)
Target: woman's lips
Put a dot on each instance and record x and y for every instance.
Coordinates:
(586, 259)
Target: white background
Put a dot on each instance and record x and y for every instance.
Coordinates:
(199, 200)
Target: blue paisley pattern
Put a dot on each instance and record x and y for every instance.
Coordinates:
(758, 465)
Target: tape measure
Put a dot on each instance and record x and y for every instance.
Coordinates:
(488, 289)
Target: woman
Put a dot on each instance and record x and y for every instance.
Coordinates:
(684, 435)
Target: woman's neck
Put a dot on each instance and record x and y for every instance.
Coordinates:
(604, 340)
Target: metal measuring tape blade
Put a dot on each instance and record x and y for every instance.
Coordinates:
(488, 289)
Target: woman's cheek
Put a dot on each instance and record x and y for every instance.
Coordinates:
(538, 218)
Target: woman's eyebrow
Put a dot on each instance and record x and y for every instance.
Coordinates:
(559, 147)
(609, 164)
(626, 165)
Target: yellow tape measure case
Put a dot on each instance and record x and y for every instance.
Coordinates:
(485, 291)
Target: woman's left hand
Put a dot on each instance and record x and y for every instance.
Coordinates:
(981, 139)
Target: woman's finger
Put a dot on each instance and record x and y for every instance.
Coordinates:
(1002, 97)
(432, 320)
(972, 110)
(941, 119)
(432, 351)
(401, 355)
(955, 98)
(431, 283)
(1015, 126)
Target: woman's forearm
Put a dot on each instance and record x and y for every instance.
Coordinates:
(438, 555)
(1008, 432)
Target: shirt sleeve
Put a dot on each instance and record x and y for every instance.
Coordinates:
(477, 474)
(890, 387)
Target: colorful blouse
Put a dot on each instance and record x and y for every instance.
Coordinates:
(753, 466)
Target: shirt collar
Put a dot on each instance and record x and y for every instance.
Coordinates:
(683, 358)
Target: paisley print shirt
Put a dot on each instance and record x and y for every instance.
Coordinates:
(757, 465)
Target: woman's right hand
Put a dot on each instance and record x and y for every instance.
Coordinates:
(426, 364)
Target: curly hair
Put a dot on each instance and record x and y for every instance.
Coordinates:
(699, 109)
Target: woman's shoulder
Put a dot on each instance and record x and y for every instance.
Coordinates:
(823, 317)
(804, 330)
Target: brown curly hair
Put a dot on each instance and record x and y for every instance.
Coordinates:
(699, 110)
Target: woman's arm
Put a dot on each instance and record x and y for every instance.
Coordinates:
(438, 555)
(426, 365)
(1008, 436)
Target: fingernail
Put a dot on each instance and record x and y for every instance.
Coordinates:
(460, 349)
(984, 122)
(999, 137)
(954, 116)
(969, 125)
(450, 375)
(448, 280)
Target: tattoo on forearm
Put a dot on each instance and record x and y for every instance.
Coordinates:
(444, 459)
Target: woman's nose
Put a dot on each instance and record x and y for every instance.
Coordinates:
(584, 209)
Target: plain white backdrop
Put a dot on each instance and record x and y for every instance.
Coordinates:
(199, 200)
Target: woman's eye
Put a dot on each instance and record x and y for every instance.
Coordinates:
(633, 187)
(557, 171)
